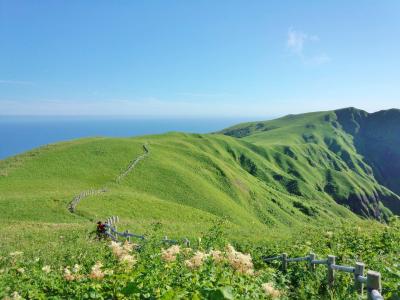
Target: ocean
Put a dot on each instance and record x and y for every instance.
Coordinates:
(19, 134)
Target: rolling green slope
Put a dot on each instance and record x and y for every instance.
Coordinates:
(267, 179)
(298, 184)
(316, 153)
(185, 182)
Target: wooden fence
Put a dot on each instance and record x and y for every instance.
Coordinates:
(372, 280)
(75, 201)
(133, 164)
(72, 205)
(112, 233)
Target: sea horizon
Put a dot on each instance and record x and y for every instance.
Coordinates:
(20, 133)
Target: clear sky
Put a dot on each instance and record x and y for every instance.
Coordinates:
(197, 58)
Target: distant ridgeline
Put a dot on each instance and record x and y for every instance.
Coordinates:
(321, 168)
(349, 154)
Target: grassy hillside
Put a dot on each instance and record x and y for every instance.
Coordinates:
(280, 174)
(186, 181)
(315, 154)
(377, 138)
(273, 183)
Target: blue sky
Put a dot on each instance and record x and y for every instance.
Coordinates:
(197, 58)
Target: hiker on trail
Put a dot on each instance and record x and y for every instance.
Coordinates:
(101, 229)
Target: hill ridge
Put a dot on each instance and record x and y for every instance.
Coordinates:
(75, 201)
(334, 133)
(301, 170)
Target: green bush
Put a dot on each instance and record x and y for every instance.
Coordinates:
(153, 270)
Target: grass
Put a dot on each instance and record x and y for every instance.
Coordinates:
(270, 181)
(154, 273)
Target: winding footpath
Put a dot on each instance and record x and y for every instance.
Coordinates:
(75, 201)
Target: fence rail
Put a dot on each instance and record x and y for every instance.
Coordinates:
(113, 233)
(372, 280)
(132, 164)
(75, 201)
(72, 205)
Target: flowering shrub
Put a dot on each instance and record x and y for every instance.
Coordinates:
(171, 253)
(197, 260)
(158, 271)
(270, 290)
(239, 261)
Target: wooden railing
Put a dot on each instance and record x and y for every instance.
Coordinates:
(132, 164)
(372, 280)
(75, 201)
(114, 234)
(72, 205)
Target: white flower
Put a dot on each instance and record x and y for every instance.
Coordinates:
(239, 261)
(197, 260)
(46, 269)
(67, 274)
(16, 296)
(128, 247)
(217, 255)
(97, 273)
(171, 253)
(270, 290)
(128, 260)
(21, 270)
(123, 253)
(116, 248)
(108, 272)
(76, 268)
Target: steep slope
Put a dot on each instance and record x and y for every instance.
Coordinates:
(186, 182)
(288, 174)
(377, 138)
(316, 153)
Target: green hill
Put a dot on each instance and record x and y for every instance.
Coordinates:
(287, 174)
(317, 182)
(348, 155)
(376, 137)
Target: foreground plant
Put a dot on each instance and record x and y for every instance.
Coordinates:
(205, 271)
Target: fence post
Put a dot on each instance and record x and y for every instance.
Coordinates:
(284, 262)
(373, 283)
(311, 257)
(358, 271)
(186, 242)
(331, 272)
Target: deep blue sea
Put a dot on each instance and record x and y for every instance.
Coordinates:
(18, 134)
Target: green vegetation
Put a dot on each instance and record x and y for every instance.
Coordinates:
(329, 152)
(210, 269)
(277, 184)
